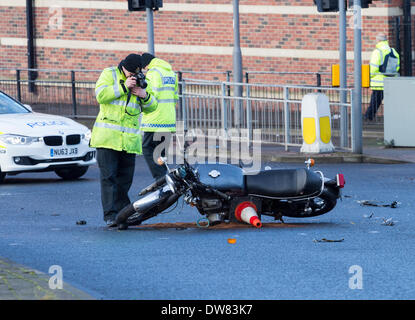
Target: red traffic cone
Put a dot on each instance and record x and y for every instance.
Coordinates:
(247, 212)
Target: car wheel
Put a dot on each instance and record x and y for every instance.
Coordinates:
(71, 173)
(2, 175)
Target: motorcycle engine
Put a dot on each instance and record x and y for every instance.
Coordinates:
(210, 205)
(213, 208)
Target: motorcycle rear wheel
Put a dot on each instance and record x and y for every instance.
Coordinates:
(322, 204)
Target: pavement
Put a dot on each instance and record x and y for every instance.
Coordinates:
(18, 282)
(371, 154)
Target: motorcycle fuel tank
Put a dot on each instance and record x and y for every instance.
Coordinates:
(224, 177)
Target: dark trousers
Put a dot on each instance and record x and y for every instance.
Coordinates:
(150, 151)
(116, 176)
(375, 102)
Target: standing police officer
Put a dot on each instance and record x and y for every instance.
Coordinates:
(116, 134)
(159, 110)
(384, 62)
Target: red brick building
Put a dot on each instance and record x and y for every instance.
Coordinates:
(194, 35)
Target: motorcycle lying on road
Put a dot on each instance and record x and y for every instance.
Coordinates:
(225, 193)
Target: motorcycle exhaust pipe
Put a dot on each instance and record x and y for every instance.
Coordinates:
(247, 212)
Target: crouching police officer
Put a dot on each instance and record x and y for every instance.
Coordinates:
(116, 134)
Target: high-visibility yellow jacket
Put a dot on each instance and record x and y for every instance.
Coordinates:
(376, 60)
(159, 107)
(116, 126)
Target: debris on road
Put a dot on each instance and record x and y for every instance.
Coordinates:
(393, 204)
(327, 240)
(388, 222)
(385, 221)
(80, 222)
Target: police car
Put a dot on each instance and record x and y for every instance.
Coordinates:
(31, 141)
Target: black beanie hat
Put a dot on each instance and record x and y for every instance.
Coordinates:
(132, 62)
(146, 59)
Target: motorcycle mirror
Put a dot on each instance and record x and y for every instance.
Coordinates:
(161, 161)
(310, 163)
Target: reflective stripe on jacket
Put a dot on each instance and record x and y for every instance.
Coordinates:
(159, 108)
(117, 124)
(376, 60)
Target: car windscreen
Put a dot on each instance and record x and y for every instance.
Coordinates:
(8, 105)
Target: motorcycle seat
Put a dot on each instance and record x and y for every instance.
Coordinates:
(283, 183)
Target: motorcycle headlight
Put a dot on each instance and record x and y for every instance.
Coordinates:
(87, 136)
(15, 139)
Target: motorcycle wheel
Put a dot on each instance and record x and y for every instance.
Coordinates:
(129, 217)
(322, 204)
(124, 215)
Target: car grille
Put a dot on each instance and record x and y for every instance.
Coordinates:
(53, 140)
(73, 139)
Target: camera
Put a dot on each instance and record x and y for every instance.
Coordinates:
(140, 80)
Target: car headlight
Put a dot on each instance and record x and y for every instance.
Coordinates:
(87, 136)
(18, 139)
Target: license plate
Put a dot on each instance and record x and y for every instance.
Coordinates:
(63, 152)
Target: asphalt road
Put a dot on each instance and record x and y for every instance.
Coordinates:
(39, 211)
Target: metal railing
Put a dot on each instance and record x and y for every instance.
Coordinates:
(270, 113)
(318, 79)
(265, 107)
(62, 92)
(69, 92)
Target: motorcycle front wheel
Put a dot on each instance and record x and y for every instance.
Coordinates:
(130, 217)
(124, 215)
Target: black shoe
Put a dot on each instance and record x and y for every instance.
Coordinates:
(111, 223)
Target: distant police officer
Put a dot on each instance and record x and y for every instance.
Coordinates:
(159, 110)
(384, 62)
(116, 134)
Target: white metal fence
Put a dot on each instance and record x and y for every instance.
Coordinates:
(274, 110)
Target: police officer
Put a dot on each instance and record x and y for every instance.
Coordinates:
(384, 62)
(116, 134)
(159, 110)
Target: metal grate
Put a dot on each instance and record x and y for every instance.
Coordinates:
(53, 140)
(73, 139)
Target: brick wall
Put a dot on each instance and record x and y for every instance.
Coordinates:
(276, 35)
